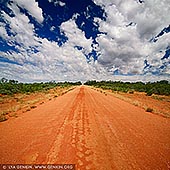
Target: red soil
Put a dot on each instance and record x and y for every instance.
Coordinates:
(89, 129)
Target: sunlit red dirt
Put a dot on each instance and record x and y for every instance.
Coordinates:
(90, 129)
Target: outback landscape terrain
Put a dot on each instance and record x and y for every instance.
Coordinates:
(84, 85)
(89, 127)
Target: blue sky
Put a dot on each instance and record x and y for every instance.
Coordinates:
(72, 40)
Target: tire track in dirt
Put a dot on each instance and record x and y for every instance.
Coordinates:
(32, 156)
(106, 153)
(118, 152)
(80, 135)
(73, 135)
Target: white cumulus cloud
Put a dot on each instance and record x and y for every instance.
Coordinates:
(76, 36)
(32, 7)
(123, 45)
(128, 29)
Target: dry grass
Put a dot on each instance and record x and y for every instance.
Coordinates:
(3, 117)
(149, 110)
(33, 107)
(11, 105)
(156, 104)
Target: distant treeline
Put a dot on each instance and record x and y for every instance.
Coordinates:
(10, 87)
(160, 87)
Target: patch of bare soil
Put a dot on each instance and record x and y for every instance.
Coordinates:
(158, 104)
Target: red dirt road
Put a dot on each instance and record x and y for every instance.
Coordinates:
(89, 129)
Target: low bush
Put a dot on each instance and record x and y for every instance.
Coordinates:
(2, 118)
(149, 109)
(10, 87)
(159, 88)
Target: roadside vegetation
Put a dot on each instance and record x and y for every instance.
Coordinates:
(10, 87)
(15, 96)
(159, 88)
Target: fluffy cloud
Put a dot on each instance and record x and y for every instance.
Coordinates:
(128, 28)
(39, 59)
(3, 32)
(123, 46)
(20, 28)
(32, 7)
(76, 36)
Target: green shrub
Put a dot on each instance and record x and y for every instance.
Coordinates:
(149, 93)
(10, 87)
(160, 88)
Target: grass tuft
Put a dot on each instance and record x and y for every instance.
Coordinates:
(149, 109)
(3, 118)
(32, 107)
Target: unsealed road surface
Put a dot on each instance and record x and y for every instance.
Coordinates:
(90, 129)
